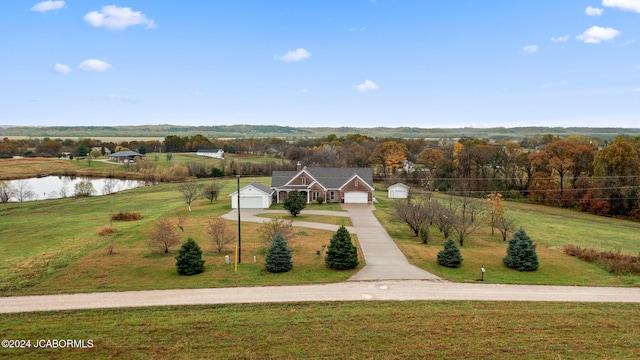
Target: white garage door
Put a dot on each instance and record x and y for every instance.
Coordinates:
(251, 202)
(356, 197)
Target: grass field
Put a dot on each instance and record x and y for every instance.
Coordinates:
(356, 330)
(549, 227)
(53, 246)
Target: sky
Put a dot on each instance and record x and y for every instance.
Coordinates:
(312, 63)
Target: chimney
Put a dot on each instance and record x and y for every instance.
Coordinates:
(298, 166)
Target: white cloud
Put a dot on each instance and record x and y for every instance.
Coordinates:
(530, 49)
(94, 65)
(118, 98)
(591, 11)
(294, 55)
(597, 34)
(61, 68)
(629, 5)
(366, 86)
(45, 6)
(563, 38)
(118, 18)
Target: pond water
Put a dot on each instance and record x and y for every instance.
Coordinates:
(56, 187)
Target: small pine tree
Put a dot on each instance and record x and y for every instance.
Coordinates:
(278, 257)
(450, 255)
(295, 202)
(341, 253)
(521, 253)
(189, 259)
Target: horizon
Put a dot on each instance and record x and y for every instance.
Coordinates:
(363, 64)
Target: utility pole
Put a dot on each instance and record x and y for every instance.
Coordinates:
(239, 248)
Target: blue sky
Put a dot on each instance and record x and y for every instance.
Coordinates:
(366, 63)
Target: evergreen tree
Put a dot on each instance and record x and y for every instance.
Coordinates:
(278, 256)
(295, 202)
(521, 253)
(341, 253)
(189, 259)
(450, 255)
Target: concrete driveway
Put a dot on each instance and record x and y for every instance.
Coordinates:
(384, 260)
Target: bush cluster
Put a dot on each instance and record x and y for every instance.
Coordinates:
(615, 262)
(126, 216)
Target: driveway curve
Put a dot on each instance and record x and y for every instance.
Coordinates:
(383, 258)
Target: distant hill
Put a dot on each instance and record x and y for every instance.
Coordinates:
(247, 131)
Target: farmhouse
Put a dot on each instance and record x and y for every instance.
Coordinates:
(125, 156)
(252, 196)
(213, 153)
(398, 191)
(348, 185)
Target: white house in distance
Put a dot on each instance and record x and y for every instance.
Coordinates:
(398, 191)
(252, 196)
(213, 153)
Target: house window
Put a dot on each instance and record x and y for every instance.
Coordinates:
(314, 196)
(304, 181)
(357, 183)
(332, 195)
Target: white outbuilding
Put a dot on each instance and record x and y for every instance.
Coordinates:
(398, 191)
(252, 196)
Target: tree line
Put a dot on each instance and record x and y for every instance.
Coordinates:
(586, 173)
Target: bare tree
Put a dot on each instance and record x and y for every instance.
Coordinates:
(23, 191)
(6, 192)
(163, 237)
(463, 226)
(415, 213)
(181, 221)
(219, 233)
(212, 190)
(275, 226)
(443, 218)
(190, 191)
(505, 224)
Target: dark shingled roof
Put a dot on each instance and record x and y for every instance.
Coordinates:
(330, 178)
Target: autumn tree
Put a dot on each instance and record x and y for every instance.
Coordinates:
(390, 155)
(496, 209)
(163, 237)
(268, 230)
(617, 168)
(219, 233)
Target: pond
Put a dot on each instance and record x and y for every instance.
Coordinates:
(56, 187)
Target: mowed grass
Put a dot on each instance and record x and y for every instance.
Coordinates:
(53, 246)
(354, 330)
(547, 227)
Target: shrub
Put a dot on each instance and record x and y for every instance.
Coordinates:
(615, 262)
(107, 230)
(126, 216)
(450, 256)
(341, 253)
(320, 200)
(521, 253)
(294, 203)
(278, 257)
(189, 259)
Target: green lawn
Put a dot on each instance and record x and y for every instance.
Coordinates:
(549, 227)
(354, 330)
